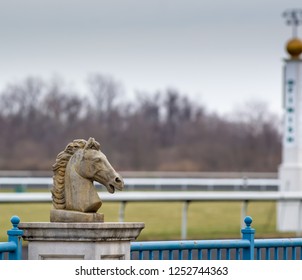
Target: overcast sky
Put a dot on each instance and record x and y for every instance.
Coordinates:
(221, 53)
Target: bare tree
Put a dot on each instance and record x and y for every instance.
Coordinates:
(105, 92)
(164, 130)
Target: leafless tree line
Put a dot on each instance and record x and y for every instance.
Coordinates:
(164, 130)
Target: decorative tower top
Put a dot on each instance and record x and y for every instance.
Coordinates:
(294, 45)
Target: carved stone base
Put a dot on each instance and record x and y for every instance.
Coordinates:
(67, 216)
(86, 241)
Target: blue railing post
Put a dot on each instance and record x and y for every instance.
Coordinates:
(248, 233)
(15, 236)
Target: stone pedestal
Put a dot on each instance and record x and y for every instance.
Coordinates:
(64, 216)
(87, 241)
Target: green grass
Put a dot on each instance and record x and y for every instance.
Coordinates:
(206, 220)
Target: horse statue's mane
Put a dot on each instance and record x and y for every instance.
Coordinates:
(58, 190)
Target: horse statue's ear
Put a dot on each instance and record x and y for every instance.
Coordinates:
(92, 144)
(73, 146)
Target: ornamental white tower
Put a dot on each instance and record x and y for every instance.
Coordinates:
(289, 214)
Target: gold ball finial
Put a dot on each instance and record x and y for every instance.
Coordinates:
(294, 48)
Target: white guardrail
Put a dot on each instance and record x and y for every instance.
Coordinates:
(186, 197)
(163, 183)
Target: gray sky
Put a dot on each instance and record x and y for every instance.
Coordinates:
(221, 53)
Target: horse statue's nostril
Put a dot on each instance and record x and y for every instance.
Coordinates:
(118, 180)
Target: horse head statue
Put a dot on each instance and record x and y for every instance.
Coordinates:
(75, 170)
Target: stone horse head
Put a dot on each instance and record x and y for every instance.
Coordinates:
(75, 169)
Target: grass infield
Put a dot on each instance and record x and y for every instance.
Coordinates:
(206, 220)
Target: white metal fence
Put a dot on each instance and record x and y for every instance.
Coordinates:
(185, 197)
(209, 184)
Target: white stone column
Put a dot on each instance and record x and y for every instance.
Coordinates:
(290, 171)
(87, 241)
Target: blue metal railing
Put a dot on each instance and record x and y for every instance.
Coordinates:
(246, 248)
(13, 248)
(285, 248)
